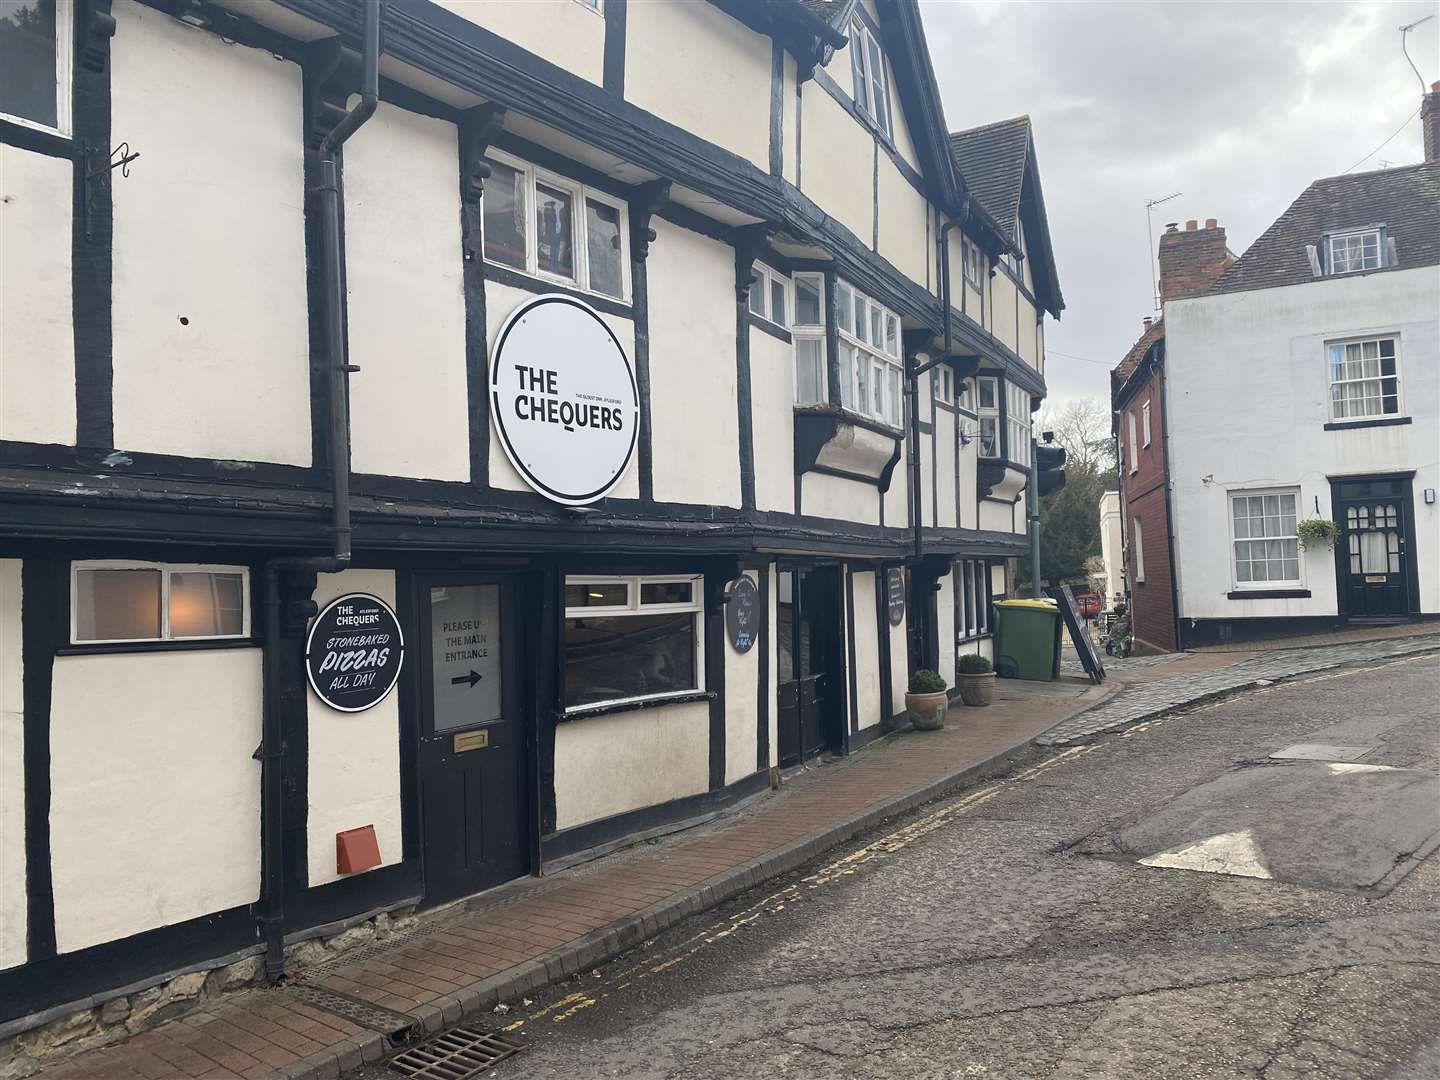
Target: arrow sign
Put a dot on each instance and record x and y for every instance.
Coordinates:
(472, 678)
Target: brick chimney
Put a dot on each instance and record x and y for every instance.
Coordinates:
(1191, 260)
(1430, 122)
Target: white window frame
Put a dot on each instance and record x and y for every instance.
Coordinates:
(878, 112)
(767, 279)
(580, 225)
(633, 606)
(165, 570)
(1017, 424)
(808, 332)
(972, 262)
(965, 395)
(64, 75)
(1133, 441)
(974, 591)
(875, 358)
(1283, 583)
(985, 412)
(597, 6)
(1145, 422)
(1341, 343)
(1344, 238)
(1138, 544)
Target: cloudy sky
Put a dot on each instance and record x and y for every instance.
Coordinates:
(1237, 105)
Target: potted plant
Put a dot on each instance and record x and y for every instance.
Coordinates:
(976, 676)
(1317, 533)
(927, 700)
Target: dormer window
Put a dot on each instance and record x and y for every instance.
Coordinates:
(1352, 251)
(867, 66)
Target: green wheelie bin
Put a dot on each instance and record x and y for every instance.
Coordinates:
(1027, 640)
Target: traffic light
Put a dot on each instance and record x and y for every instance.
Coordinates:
(1049, 463)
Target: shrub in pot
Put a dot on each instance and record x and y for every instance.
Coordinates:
(927, 700)
(976, 676)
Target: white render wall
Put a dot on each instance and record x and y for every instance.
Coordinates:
(867, 652)
(209, 227)
(742, 695)
(945, 620)
(1270, 433)
(899, 663)
(354, 757)
(37, 340)
(567, 34)
(772, 393)
(12, 770)
(155, 796)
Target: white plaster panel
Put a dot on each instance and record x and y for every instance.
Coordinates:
(1026, 338)
(945, 447)
(406, 307)
(703, 71)
(742, 690)
(837, 163)
(37, 341)
(897, 506)
(899, 663)
(969, 464)
(997, 516)
(789, 116)
(209, 227)
(155, 802)
(568, 34)
(773, 666)
(867, 652)
(772, 393)
(1003, 299)
(354, 757)
(945, 620)
(926, 405)
(607, 765)
(900, 126)
(12, 771)
(694, 425)
(976, 647)
(903, 233)
(1272, 341)
(835, 497)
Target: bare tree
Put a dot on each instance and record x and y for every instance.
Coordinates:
(1082, 427)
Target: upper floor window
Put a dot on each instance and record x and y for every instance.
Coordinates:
(1017, 423)
(1132, 440)
(1263, 536)
(125, 601)
(870, 366)
(1139, 546)
(35, 50)
(1354, 251)
(769, 295)
(554, 228)
(808, 333)
(1145, 423)
(973, 260)
(987, 391)
(1364, 379)
(965, 394)
(867, 66)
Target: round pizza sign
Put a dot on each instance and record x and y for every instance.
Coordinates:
(563, 399)
(354, 652)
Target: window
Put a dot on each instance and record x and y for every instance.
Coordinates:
(1264, 539)
(809, 336)
(973, 261)
(1354, 251)
(1145, 422)
(1138, 545)
(124, 601)
(769, 295)
(1134, 443)
(867, 68)
(546, 241)
(965, 394)
(870, 367)
(630, 638)
(972, 584)
(988, 392)
(1364, 379)
(35, 51)
(597, 6)
(1017, 423)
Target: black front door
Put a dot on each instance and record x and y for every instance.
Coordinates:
(1374, 557)
(808, 646)
(472, 736)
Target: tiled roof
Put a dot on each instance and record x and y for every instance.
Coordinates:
(1405, 200)
(992, 161)
(1131, 360)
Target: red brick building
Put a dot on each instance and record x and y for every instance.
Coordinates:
(1190, 262)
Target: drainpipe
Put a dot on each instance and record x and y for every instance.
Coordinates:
(1032, 511)
(272, 748)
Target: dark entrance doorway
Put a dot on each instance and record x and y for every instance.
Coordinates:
(1373, 556)
(472, 736)
(810, 651)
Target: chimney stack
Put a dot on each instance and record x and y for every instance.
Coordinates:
(1146, 323)
(1430, 122)
(1190, 261)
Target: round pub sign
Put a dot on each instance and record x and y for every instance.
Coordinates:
(354, 652)
(563, 399)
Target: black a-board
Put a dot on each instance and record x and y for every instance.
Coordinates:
(1089, 658)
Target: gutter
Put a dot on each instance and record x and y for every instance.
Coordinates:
(272, 747)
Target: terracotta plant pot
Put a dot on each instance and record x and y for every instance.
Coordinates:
(927, 711)
(976, 689)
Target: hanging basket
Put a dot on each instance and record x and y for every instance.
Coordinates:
(1317, 533)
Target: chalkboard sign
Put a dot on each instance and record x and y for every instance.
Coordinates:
(354, 652)
(742, 614)
(1089, 658)
(895, 595)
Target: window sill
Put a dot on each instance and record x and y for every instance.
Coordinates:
(850, 416)
(519, 279)
(1379, 421)
(104, 647)
(1269, 594)
(610, 708)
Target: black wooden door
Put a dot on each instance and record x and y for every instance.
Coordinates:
(472, 736)
(809, 660)
(1374, 560)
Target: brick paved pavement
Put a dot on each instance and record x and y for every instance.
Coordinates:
(1162, 694)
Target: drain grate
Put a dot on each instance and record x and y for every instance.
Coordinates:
(455, 1055)
(356, 1010)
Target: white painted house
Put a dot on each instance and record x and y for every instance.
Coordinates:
(1305, 384)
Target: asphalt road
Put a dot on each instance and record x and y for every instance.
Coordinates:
(1011, 932)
